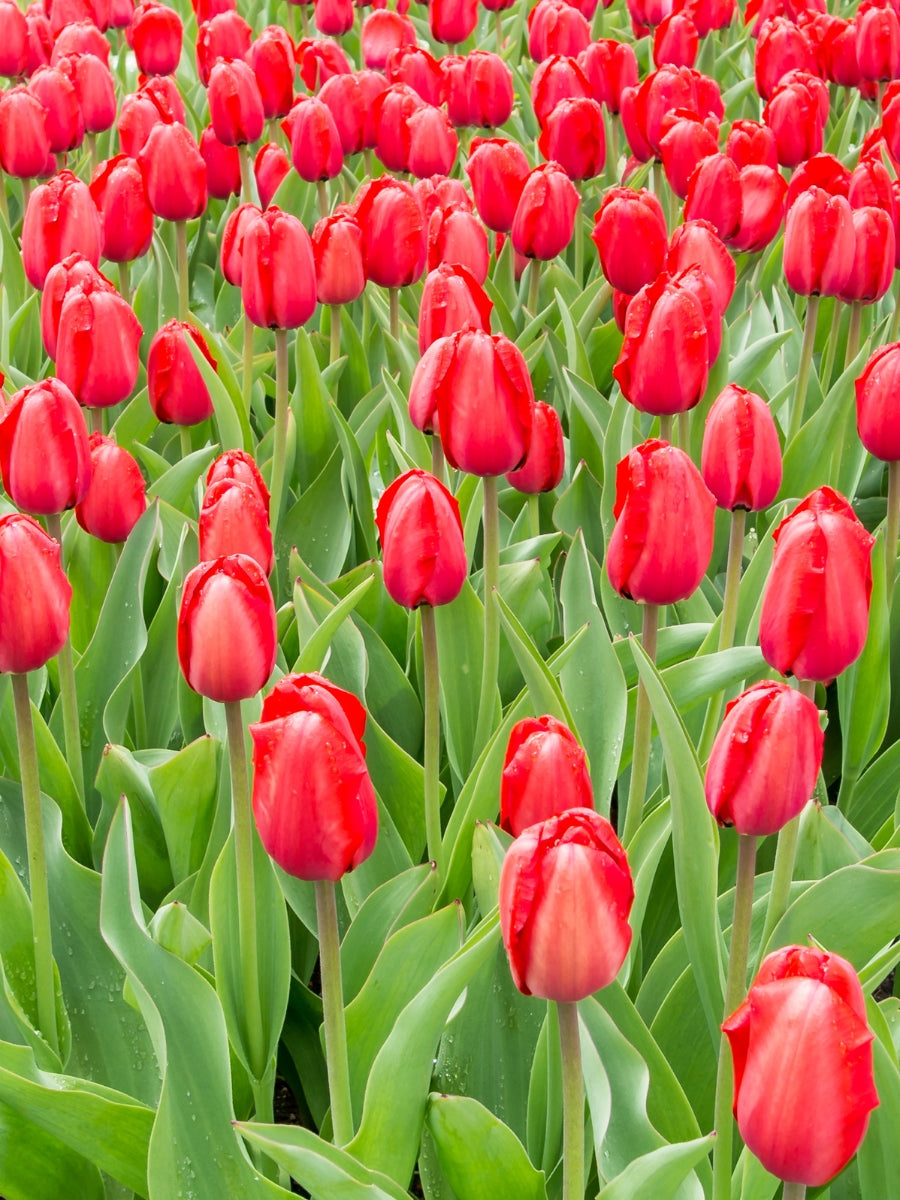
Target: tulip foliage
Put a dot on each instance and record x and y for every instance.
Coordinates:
(449, 658)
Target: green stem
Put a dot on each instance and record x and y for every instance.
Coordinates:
(806, 353)
(322, 193)
(684, 431)
(534, 285)
(895, 320)
(666, 424)
(184, 438)
(573, 1101)
(96, 420)
(334, 348)
(534, 515)
(579, 243)
(333, 1013)
(831, 347)
(853, 334)
(248, 189)
(125, 281)
(37, 865)
(727, 625)
(794, 1191)
(612, 158)
(68, 695)
(785, 854)
(734, 993)
(26, 194)
(432, 737)
(277, 485)
(892, 528)
(643, 728)
(498, 30)
(437, 457)
(246, 889)
(247, 365)
(183, 277)
(394, 301)
(4, 205)
(491, 662)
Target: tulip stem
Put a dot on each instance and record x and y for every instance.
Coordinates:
(573, 1101)
(684, 432)
(853, 334)
(735, 988)
(184, 438)
(666, 422)
(247, 191)
(794, 1191)
(394, 303)
(246, 888)
(333, 1013)
(579, 243)
(37, 864)
(67, 693)
(491, 663)
(4, 205)
(334, 346)
(281, 427)
(26, 195)
(534, 285)
(806, 353)
(183, 277)
(895, 320)
(892, 528)
(727, 623)
(322, 194)
(247, 366)
(432, 737)
(831, 348)
(437, 458)
(498, 30)
(643, 728)
(534, 515)
(125, 281)
(96, 420)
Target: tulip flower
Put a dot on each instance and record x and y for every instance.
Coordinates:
(815, 608)
(452, 21)
(555, 27)
(544, 773)
(334, 17)
(223, 166)
(224, 36)
(762, 208)
(60, 218)
(235, 103)
(382, 33)
(24, 140)
(316, 150)
(497, 169)
(74, 271)
(120, 194)
(234, 519)
(543, 467)
(573, 136)
(394, 244)
(175, 172)
(13, 40)
(796, 115)
(176, 389)
(714, 195)
(45, 458)
(631, 238)
(782, 47)
(238, 465)
(741, 457)
(155, 35)
(803, 1032)
(877, 390)
(456, 237)
(278, 271)
(337, 250)
(451, 299)
(676, 41)
(685, 141)
(117, 496)
(557, 78)
(417, 69)
(610, 66)
(751, 143)
(696, 243)
(94, 87)
(97, 346)
(318, 60)
(63, 120)
(421, 535)
(272, 58)
(270, 168)
(479, 89)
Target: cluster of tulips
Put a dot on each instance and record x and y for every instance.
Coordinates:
(246, 173)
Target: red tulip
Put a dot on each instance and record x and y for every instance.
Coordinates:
(316, 149)
(226, 629)
(497, 169)
(272, 58)
(819, 243)
(60, 218)
(338, 253)
(457, 237)
(685, 141)
(631, 238)
(800, 1033)
(393, 228)
(557, 78)
(432, 142)
(241, 466)
(155, 36)
(545, 215)
(313, 800)
(34, 596)
(555, 27)
(334, 17)
(234, 519)
(93, 83)
(663, 538)
(823, 171)
(781, 47)
(73, 271)
(452, 298)
(610, 66)
(574, 137)
(741, 457)
(696, 243)
(45, 458)
(873, 257)
(877, 42)
(765, 759)
(452, 21)
(97, 346)
(117, 496)
(176, 389)
(175, 172)
(226, 35)
(40, 39)
(63, 120)
(546, 459)
(318, 59)
(714, 195)
(383, 32)
(157, 100)
(478, 88)
(421, 536)
(565, 895)
(13, 40)
(81, 37)
(24, 141)
(417, 69)
(762, 208)
(270, 169)
(815, 609)
(796, 117)
(877, 391)
(545, 773)
(751, 143)
(278, 272)
(230, 252)
(223, 166)
(235, 103)
(439, 192)
(351, 99)
(120, 194)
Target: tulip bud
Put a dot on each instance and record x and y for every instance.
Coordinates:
(334, 17)
(631, 238)
(223, 166)
(155, 36)
(795, 116)
(316, 150)
(235, 520)
(34, 596)
(818, 243)
(421, 536)
(238, 465)
(278, 272)
(610, 66)
(313, 800)
(873, 259)
(97, 346)
(714, 195)
(574, 137)
(741, 458)
(432, 142)
(383, 33)
(73, 271)
(762, 208)
(117, 496)
(479, 89)
(272, 58)
(226, 629)
(497, 169)
(175, 173)
(546, 459)
(676, 41)
(663, 538)
(815, 608)
(545, 215)
(452, 21)
(270, 168)
(319, 59)
(417, 69)
(877, 390)
(45, 458)
(452, 298)
(60, 218)
(24, 141)
(809, 1004)
(565, 895)
(120, 194)
(227, 36)
(765, 759)
(685, 142)
(338, 254)
(13, 40)
(545, 773)
(555, 27)
(235, 104)
(393, 228)
(175, 386)
(63, 120)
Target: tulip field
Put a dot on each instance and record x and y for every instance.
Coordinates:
(449, 666)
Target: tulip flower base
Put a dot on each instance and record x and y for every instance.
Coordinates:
(693, 411)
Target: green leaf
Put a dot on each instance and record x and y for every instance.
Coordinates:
(231, 421)
(120, 774)
(460, 635)
(193, 772)
(317, 645)
(36, 1166)
(660, 1173)
(874, 796)
(879, 1155)
(478, 1154)
(316, 440)
(542, 687)
(319, 524)
(177, 486)
(394, 1109)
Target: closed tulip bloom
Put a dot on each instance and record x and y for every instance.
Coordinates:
(278, 273)
(45, 459)
(393, 225)
(877, 42)
(557, 78)
(417, 69)
(873, 258)
(741, 458)
(226, 35)
(794, 114)
(750, 142)
(685, 142)
(176, 389)
(382, 33)
(555, 27)
(60, 218)
(63, 120)
(270, 169)
(235, 103)
(497, 169)
(631, 238)
(456, 236)
(40, 37)
(350, 106)
(97, 346)
(421, 537)
(223, 166)
(565, 897)
(823, 171)
(676, 41)
(117, 496)
(235, 520)
(664, 362)
(81, 37)
(432, 142)
(714, 195)
(819, 243)
(272, 58)
(34, 596)
(762, 208)
(781, 47)
(696, 243)
(877, 413)
(545, 215)
(546, 459)
(334, 17)
(663, 538)
(338, 255)
(231, 249)
(175, 173)
(391, 112)
(545, 772)
(316, 149)
(93, 83)
(439, 192)
(870, 183)
(574, 137)
(120, 194)
(318, 59)
(227, 637)
(815, 609)
(802, 1032)
(73, 271)
(479, 89)
(24, 142)
(610, 66)
(765, 759)
(452, 298)
(13, 40)
(452, 21)
(155, 36)
(313, 799)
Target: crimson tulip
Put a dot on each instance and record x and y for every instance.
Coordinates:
(452, 21)
(176, 389)
(316, 149)
(815, 608)
(456, 236)
(803, 1032)
(235, 103)
(631, 238)
(393, 226)
(334, 17)
(231, 249)
(452, 298)
(40, 38)
(439, 192)
(391, 112)
(45, 458)
(663, 537)
(234, 519)
(223, 166)
(34, 596)
(382, 33)
(877, 390)
(685, 140)
(351, 99)
(555, 27)
(60, 218)
(421, 536)
(24, 140)
(227, 636)
(271, 167)
(120, 194)
(751, 143)
(546, 459)
(313, 799)
(226, 35)
(877, 42)
(545, 773)
(240, 466)
(97, 345)
(117, 496)
(610, 66)
(432, 142)
(741, 456)
(93, 83)
(556, 78)
(714, 195)
(497, 169)
(278, 272)
(545, 215)
(271, 56)
(155, 36)
(81, 37)
(782, 46)
(13, 40)
(318, 59)
(763, 193)
(819, 243)
(676, 41)
(338, 253)
(417, 69)
(796, 114)
(174, 171)
(63, 120)
(574, 137)
(565, 896)
(873, 259)
(478, 89)
(696, 243)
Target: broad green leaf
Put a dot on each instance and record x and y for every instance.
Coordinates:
(319, 523)
(478, 1154)
(358, 483)
(460, 635)
(231, 421)
(315, 649)
(660, 1173)
(588, 417)
(544, 1112)
(316, 434)
(192, 772)
(36, 1166)
(120, 774)
(489, 846)
(177, 486)
(876, 792)
(879, 1155)
(542, 687)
